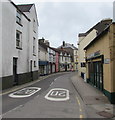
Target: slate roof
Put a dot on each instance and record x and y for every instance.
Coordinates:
(100, 26)
(98, 36)
(43, 45)
(68, 45)
(19, 10)
(25, 7)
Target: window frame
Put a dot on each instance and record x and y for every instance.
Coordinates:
(18, 18)
(19, 40)
(34, 47)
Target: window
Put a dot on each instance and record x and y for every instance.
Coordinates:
(18, 17)
(83, 64)
(18, 39)
(34, 63)
(34, 49)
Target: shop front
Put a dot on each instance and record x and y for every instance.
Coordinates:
(100, 62)
(95, 71)
(43, 66)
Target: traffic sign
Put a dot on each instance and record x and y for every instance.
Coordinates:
(58, 94)
(25, 92)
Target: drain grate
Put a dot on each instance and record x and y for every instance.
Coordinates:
(106, 114)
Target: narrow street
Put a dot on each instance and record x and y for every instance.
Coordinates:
(37, 106)
(57, 98)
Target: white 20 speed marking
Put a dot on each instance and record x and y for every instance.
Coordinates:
(58, 94)
(25, 92)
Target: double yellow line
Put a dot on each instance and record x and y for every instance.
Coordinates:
(80, 109)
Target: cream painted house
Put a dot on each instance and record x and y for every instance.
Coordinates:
(84, 40)
(100, 57)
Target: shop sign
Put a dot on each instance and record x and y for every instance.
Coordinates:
(97, 53)
(106, 61)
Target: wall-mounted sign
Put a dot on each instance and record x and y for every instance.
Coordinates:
(106, 61)
(97, 53)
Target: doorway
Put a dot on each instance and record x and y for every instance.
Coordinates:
(15, 76)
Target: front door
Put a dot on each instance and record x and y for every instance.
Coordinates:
(15, 76)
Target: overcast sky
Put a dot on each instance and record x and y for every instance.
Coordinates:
(63, 20)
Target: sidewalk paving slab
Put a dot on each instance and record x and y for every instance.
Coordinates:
(92, 97)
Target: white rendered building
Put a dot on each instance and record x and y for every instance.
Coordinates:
(19, 44)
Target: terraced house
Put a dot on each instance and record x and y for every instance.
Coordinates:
(100, 61)
(84, 40)
(19, 44)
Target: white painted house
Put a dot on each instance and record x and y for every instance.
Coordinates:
(64, 60)
(43, 57)
(52, 60)
(19, 44)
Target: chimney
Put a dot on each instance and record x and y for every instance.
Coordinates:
(63, 43)
(47, 43)
(42, 40)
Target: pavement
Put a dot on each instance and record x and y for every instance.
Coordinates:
(93, 98)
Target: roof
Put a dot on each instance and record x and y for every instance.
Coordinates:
(25, 7)
(68, 45)
(63, 51)
(100, 26)
(55, 49)
(98, 36)
(19, 10)
(43, 45)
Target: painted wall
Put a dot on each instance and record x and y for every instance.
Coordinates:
(0, 39)
(9, 49)
(33, 32)
(104, 45)
(43, 54)
(84, 41)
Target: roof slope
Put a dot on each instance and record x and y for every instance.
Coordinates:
(100, 26)
(25, 7)
(98, 36)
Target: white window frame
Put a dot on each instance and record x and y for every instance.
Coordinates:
(34, 46)
(19, 40)
(18, 17)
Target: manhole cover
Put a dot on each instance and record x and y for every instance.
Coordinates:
(106, 114)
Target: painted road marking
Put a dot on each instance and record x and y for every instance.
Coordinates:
(81, 116)
(58, 94)
(25, 92)
(51, 84)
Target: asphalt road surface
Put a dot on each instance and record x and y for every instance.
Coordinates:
(57, 98)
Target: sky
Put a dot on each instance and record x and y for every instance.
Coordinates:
(63, 20)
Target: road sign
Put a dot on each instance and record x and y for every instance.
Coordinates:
(58, 94)
(25, 92)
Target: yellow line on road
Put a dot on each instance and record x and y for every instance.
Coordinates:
(78, 101)
(80, 110)
(81, 116)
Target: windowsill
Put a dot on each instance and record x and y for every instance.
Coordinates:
(34, 54)
(19, 24)
(34, 31)
(19, 48)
